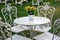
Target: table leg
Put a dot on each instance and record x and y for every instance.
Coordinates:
(31, 32)
(34, 30)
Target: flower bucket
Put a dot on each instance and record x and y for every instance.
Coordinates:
(31, 17)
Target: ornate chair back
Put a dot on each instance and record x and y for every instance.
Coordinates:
(9, 13)
(46, 11)
(5, 1)
(4, 32)
(56, 29)
(36, 2)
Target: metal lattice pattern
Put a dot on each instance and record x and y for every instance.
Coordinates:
(4, 33)
(46, 11)
(36, 2)
(56, 26)
(9, 13)
(56, 29)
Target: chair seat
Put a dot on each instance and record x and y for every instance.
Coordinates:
(46, 36)
(18, 29)
(18, 37)
(44, 29)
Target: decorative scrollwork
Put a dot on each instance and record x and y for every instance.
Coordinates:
(9, 13)
(46, 11)
(56, 30)
(56, 27)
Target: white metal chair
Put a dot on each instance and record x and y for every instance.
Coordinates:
(4, 31)
(51, 36)
(5, 1)
(45, 11)
(56, 29)
(20, 2)
(7, 35)
(36, 2)
(9, 14)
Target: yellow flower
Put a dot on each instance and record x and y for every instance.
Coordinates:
(27, 8)
(30, 8)
(33, 8)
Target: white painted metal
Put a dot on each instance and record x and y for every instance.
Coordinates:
(46, 11)
(7, 34)
(20, 2)
(26, 22)
(51, 36)
(37, 2)
(5, 1)
(18, 37)
(9, 13)
(46, 36)
(36, 21)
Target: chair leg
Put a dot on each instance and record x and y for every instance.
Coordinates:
(23, 34)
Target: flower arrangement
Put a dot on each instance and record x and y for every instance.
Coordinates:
(30, 9)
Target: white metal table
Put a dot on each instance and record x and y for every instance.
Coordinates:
(26, 22)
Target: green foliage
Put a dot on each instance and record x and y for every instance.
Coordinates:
(35, 1)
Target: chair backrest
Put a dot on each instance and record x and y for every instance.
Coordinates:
(56, 29)
(9, 13)
(36, 2)
(46, 11)
(5, 1)
(4, 33)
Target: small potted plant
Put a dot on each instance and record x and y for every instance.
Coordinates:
(30, 10)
